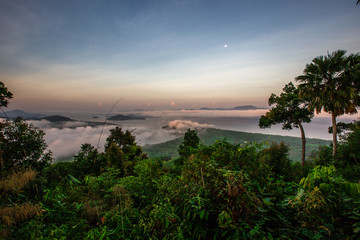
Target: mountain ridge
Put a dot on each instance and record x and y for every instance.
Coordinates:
(243, 107)
(169, 148)
(20, 113)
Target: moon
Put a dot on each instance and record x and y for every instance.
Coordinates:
(225, 46)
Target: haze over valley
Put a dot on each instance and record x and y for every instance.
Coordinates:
(65, 137)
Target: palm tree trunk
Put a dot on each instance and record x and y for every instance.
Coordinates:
(303, 144)
(333, 118)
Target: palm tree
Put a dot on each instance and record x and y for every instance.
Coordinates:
(330, 84)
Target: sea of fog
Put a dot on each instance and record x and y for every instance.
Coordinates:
(161, 126)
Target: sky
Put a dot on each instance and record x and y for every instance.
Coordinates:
(83, 56)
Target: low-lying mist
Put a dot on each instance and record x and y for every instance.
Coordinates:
(65, 141)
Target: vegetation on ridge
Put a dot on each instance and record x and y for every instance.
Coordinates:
(167, 150)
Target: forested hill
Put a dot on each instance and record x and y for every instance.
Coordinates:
(210, 135)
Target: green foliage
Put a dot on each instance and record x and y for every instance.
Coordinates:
(223, 191)
(288, 108)
(350, 147)
(322, 156)
(215, 195)
(124, 140)
(311, 208)
(115, 157)
(347, 158)
(325, 203)
(57, 171)
(122, 150)
(23, 146)
(22, 150)
(276, 157)
(144, 184)
(329, 180)
(191, 141)
(188, 146)
(88, 161)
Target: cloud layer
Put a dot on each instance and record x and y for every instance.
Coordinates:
(65, 139)
(65, 142)
(183, 125)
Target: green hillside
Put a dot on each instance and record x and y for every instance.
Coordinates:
(209, 136)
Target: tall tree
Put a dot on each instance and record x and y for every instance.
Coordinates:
(122, 147)
(191, 141)
(5, 95)
(23, 146)
(290, 110)
(330, 82)
(122, 139)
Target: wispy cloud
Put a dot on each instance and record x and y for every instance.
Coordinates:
(183, 125)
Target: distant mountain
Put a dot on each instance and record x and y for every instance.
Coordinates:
(246, 107)
(121, 117)
(19, 113)
(34, 116)
(143, 110)
(56, 118)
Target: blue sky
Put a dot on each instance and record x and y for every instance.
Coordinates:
(84, 55)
